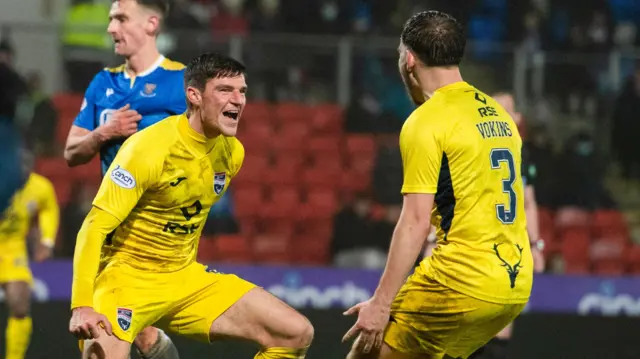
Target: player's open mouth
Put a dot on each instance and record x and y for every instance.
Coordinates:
(231, 114)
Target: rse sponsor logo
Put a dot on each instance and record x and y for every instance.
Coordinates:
(123, 178)
(124, 318)
(188, 213)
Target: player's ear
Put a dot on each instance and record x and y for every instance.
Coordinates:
(153, 24)
(194, 96)
(411, 59)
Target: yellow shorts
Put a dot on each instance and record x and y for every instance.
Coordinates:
(431, 320)
(185, 302)
(14, 267)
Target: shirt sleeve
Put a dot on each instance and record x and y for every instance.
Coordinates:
(49, 214)
(87, 116)
(86, 259)
(237, 157)
(134, 170)
(422, 155)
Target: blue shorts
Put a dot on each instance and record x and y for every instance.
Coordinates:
(11, 176)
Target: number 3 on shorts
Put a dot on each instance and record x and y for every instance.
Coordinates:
(499, 155)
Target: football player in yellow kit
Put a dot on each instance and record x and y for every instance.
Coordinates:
(135, 260)
(37, 197)
(461, 155)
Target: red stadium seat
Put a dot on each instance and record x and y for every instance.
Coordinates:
(570, 217)
(207, 249)
(577, 268)
(271, 249)
(292, 137)
(65, 121)
(327, 144)
(322, 227)
(321, 203)
(292, 112)
(607, 222)
(608, 268)
(327, 118)
(248, 225)
(67, 102)
(52, 168)
(326, 176)
(247, 201)
(311, 249)
(353, 181)
(362, 162)
(283, 204)
(286, 171)
(232, 248)
(88, 173)
(253, 169)
(284, 227)
(632, 259)
(256, 137)
(575, 245)
(63, 190)
(255, 112)
(358, 144)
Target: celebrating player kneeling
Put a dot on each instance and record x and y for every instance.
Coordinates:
(135, 260)
(461, 156)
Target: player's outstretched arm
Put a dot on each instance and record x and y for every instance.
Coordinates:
(421, 157)
(48, 220)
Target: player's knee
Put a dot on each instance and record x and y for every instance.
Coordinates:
(19, 309)
(299, 334)
(146, 339)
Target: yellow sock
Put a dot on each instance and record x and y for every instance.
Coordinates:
(17, 337)
(281, 353)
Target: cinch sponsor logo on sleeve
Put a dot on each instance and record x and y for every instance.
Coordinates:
(122, 178)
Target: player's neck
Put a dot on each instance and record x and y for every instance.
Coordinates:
(142, 60)
(434, 78)
(197, 124)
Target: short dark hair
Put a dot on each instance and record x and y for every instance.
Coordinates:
(210, 66)
(436, 38)
(161, 6)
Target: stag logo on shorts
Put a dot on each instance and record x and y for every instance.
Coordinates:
(124, 318)
(512, 269)
(123, 178)
(219, 180)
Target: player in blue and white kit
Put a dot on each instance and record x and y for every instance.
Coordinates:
(123, 100)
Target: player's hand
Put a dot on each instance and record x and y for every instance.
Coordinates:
(123, 122)
(43, 252)
(86, 323)
(538, 260)
(373, 318)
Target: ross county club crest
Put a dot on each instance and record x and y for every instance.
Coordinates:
(219, 180)
(124, 318)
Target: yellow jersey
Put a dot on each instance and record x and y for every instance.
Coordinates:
(36, 197)
(161, 186)
(464, 148)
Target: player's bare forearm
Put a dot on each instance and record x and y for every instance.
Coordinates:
(531, 211)
(86, 258)
(407, 242)
(83, 144)
(49, 220)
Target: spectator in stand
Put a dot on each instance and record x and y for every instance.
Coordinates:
(184, 24)
(267, 17)
(229, 18)
(626, 125)
(73, 214)
(387, 173)
(353, 233)
(42, 117)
